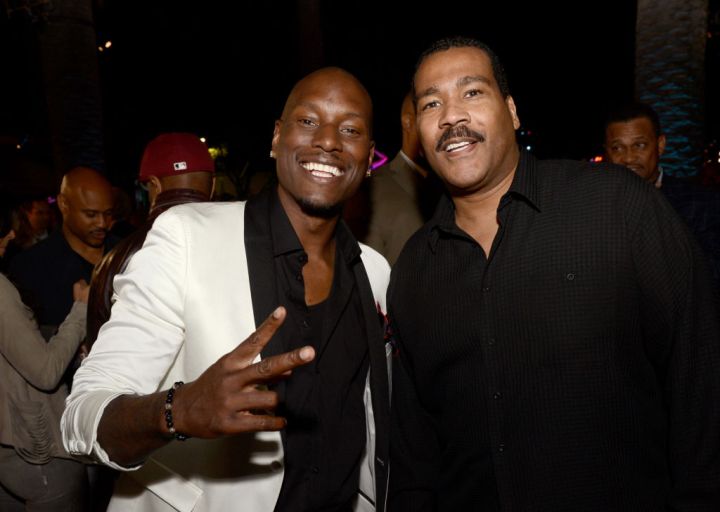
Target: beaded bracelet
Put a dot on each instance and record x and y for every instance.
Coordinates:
(168, 412)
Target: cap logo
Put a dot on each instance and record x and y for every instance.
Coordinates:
(180, 166)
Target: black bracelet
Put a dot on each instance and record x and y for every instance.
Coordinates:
(168, 412)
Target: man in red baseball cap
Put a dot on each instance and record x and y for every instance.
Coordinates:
(176, 168)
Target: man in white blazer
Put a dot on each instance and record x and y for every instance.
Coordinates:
(242, 434)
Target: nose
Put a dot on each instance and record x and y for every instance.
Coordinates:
(453, 113)
(327, 138)
(104, 220)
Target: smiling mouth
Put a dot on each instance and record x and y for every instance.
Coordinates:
(457, 146)
(322, 170)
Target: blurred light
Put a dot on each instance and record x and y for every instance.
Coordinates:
(381, 159)
(202, 139)
(529, 148)
(596, 159)
(19, 146)
(100, 48)
(108, 44)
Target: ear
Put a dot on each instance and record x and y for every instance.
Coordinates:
(276, 134)
(372, 154)
(661, 144)
(155, 184)
(62, 204)
(406, 120)
(513, 111)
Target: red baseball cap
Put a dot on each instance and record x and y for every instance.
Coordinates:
(170, 154)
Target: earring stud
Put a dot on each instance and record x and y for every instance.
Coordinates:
(272, 154)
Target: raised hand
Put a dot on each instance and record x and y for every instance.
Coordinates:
(227, 397)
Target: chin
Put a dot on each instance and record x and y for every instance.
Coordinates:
(315, 208)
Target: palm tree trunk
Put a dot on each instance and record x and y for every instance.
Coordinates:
(68, 50)
(670, 75)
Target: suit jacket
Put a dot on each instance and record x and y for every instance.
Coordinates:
(395, 207)
(189, 296)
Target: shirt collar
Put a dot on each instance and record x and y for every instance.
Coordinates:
(415, 167)
(524, 187)
(659, 180)
(285, 240)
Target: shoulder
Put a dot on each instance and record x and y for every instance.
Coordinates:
(7, 290)
(377, 269)
(374, 262)
(194, 216)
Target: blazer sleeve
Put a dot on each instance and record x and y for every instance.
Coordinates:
(139, 343)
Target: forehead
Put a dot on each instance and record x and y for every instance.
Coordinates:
(638, 127)
(92, 199)
(448, 67)
(331, 92)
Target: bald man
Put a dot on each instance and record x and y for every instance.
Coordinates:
(283, 273)
(401, 196)
(47, 271)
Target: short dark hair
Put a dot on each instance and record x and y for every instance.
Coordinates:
(631, 111)
(446, 43)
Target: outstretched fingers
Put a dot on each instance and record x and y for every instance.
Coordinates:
(275, 367)
(255, 343)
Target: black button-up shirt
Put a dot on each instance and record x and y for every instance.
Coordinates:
(323, 401)
(575, 368)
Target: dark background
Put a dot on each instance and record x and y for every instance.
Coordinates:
(197, 67)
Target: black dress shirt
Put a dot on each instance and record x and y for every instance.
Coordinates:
(324, 439)
(576, 368)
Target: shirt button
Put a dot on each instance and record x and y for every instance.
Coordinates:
(305, 324)
(315, 470)
(570, 277)
(486, 288)
(497, 396)
(501, 447)
(491, 341)
(302, 258)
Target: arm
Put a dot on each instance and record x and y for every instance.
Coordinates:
(220, 402)
(40, 363)
(681, 324)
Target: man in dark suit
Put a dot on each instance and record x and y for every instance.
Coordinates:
(634, 138)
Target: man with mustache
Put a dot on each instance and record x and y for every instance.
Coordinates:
(45, 272)
(207, 276)
(557, 333)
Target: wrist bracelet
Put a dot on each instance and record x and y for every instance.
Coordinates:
(168, 412)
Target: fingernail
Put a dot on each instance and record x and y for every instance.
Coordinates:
(277, 313)
(306, 353)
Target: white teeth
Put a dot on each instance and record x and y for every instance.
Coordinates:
(321, 170)
(456, 145)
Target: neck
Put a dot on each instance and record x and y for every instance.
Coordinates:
(87, 252)
(316, 234)
(175, 196)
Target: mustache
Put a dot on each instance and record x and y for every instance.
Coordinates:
(460, 131)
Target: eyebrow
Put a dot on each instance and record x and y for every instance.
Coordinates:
(313, 106)
(465, 80)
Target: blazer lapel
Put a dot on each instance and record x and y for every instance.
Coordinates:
(261, 270)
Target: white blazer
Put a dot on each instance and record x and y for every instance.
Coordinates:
(183, 302)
